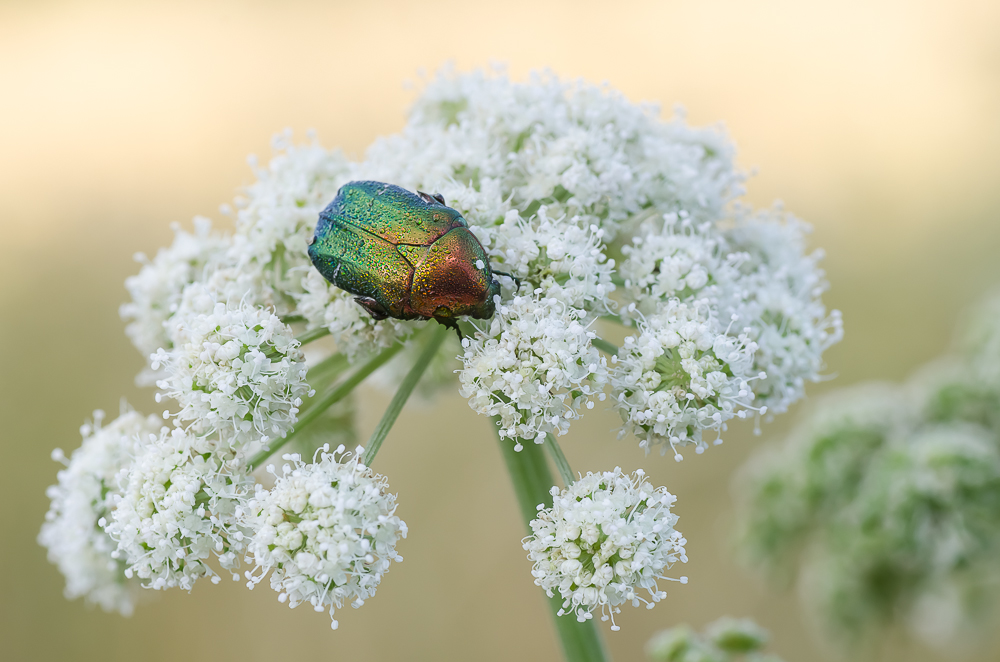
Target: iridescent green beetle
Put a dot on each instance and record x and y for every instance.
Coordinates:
(403, 255)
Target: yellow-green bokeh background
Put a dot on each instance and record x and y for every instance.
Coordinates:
(875, 121)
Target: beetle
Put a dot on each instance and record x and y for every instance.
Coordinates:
(403, 255)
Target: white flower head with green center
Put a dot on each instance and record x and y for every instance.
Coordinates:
(156, 290)
(326, 531)
(180, 503)
(82, 497)
(606, 541)
(681, 375)
(239, 371)
(534, 367)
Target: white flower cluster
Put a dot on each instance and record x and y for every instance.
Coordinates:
(591, 210)
(156, 290)
(326, 531)
(237, 371)
(534, 368)
(778, 297)
(276, 217)
(84, 496)
(554, 179)
(749, 293)
(179, 502)
(682, 375)
(606, 538)
(547, 173)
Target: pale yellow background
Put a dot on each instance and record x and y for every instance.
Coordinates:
(875, 121)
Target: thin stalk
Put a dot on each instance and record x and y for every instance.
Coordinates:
(532, 481)
(403, 394)
(327, 369)
(312, 334)
(559, 460)
(328, 399)
(605, 346)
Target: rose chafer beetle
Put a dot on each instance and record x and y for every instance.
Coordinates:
(403, 255)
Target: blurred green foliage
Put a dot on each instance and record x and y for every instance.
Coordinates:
(725, 640)
(884, 504)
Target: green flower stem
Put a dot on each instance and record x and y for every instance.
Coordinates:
(328, 399)
(313, 334)
(559, 460)
(605, 346)
(403, 394)
(532, 481)
(327, 370)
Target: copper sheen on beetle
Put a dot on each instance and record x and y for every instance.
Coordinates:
(403, 255)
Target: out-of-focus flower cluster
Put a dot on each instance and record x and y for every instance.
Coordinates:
(595, 207)
(725, 640)
(885, 504)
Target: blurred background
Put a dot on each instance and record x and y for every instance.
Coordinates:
(877, 122)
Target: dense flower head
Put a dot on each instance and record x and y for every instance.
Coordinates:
(534, 367)
(180, 502)
(238, 371)
(684, 373)
(777, 294)
(672, 257)
(276, 216)
(753, 281)
(607, 537)
(84, 496)
(156, 290)
(327, 531)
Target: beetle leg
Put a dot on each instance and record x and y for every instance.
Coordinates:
(438, 197)
(451, 323)
(517, 281)
(373, 307)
